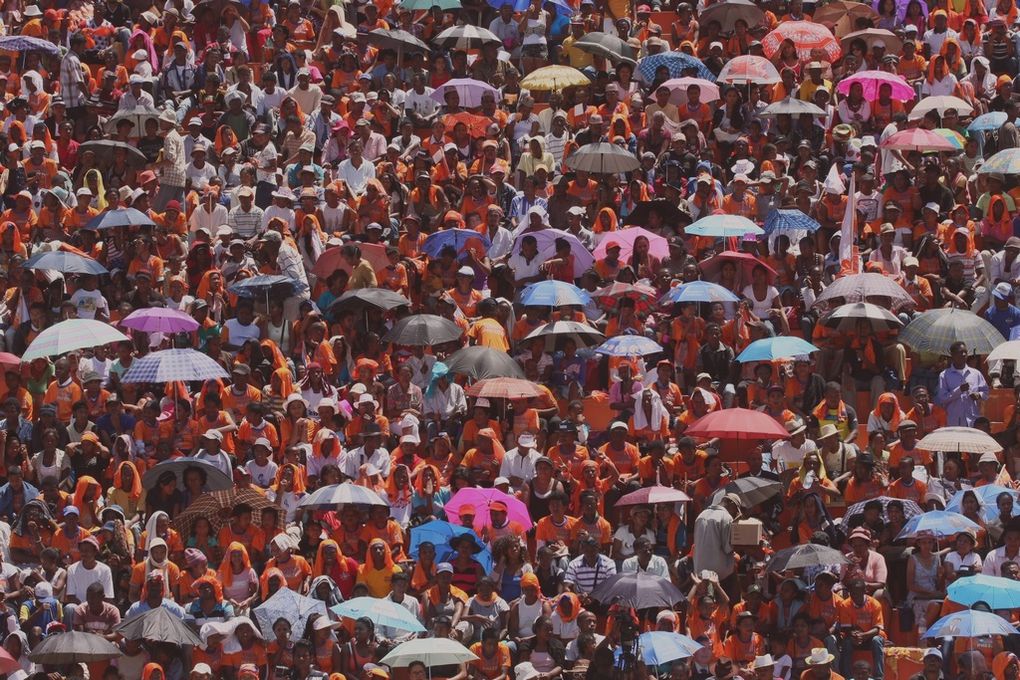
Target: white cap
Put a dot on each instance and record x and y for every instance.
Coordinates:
(213, 434)
(366, 398)
(527, 440)
(262, 441)
(499, 481)
(410, 439)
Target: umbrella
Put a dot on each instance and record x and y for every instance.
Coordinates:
(639, 590)
(423, 330)
(871, 81)
(771, 349)
(791, 106)
(294, 607)
(987, 122)
(698, 291)
(263, 284)
(546, 240)
(381, 611)
(970, 624)
(605, 45)
(465, 37)
(9, 360)
(952, 136)
(1005, 162)
(629, 346)
(426, 5)
(169, 365)
(746, 262)
(801, 556)
(65, 262)
(845, 317)
(22, 43)
(910, 509)
(608, 297)
(862, 287)
(918, 139)
(504, 388)
(554, 294)
(602, 158)
(1009, 351)
(870, 36)
(678, 89)
(752, 490)
(70, 335)
(458, 239)
(73, 647)
(728, 13)
(104, 150)
(370, 297)
(8, 664)
(331, 259)
(481, 499)
(986, 496)
(651, 495)
(995, 591)
(469, 91)
(659, 647)
(478, 363)
(476, 125)
(833, 12)
(723, 226)
(940, 524)
(748, 69)
(335, 495)
(430, 651)
(120, 217)
(806, 36)
(396, 39)
(583, 334)
(160, 625)
(554, 78)
(657, 245)
(215, 478)
(215, 506)
(159, 320)
(441, 534)
(789, 219)
(940, 105)
(522, 5)
(138, 117)
(737, 423)
(667, 212)
(677, 63)
(959, 440)
(936, 330)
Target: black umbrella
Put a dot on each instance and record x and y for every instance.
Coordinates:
(466, 37)
(369, 297)
(752, 490)
(158, 624)
(808, 555)
(73, 647)
(639, 590)
(396, 39)
(910, 509)
(668, 213)
(105, 148)
(424, 330)
(729, 12)
(602, 158)
(479, 363)
(215, 479)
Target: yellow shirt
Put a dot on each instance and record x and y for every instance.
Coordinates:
(808, 87)
(378, 581)
(363, 276)
(577, 58)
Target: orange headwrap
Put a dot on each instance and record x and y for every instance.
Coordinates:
(212, 582)
(299, 478)
(226, 571)
(279, 361)
(1001, 662)
(286, 381)
(136, 480)
(888, 398)
(367, 566)
(575, 606)
(264, 581)
(79, 492)
(395, 495)
(319, 568)
(150, 669)
(419, 480)
(597, 225)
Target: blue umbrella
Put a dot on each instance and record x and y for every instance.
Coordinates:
(521, 5)
(698, 291)
(995, 591)
(169, 365)
(659, 647)
(789, 219)
(987, 122)
(260, 285)
(676, 62)
(554, 294)
(68, 263)
(439, 534)
(723, 226)
(970, 623)
(120, 217)
(629, 346)
(457, 238)
(937, 523)
(381, 611)
(21, 43)
(986, 496)
(770, 349)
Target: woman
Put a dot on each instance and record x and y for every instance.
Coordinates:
(926, 584)
(423, 577)
(886, 416)
(637, 526)
(281, 647)
(288, 490)
(644, 264)
(544, 650)
(939, 80)
(360, 649)
(16, 644)
(204, 539)
(854, 108)
(88, 496)
(534, 26)
(240, 582)
(467, 571)
(127, 491)
(332, 563)
(398, 495)
(763, 297)
(50, 462)
(888, 15)
(812, 516)
(511, 564)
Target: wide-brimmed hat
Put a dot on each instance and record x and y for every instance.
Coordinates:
(819, 657)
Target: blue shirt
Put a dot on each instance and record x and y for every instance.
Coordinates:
(1003, 319)
(143, 606)
(961, 408)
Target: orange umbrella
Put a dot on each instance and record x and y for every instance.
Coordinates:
(475, 124)
(330, 261)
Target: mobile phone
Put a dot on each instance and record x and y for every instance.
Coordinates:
(281, 671)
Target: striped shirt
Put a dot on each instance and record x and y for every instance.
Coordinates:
(245, 223)
(586, 577)
(72, 81)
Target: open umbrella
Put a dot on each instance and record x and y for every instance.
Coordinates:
(606, 45)
(959, 440)
(423, 330)
(65, 262)
(871, 81)
(336, 495)
(745, 262)
(458, 239)
(833, 12)
(583, 334)
(8, 664)
(910, 509)
(640, 590)
(504, 388)
(215, 479)
(657, 245)
(940, 104)
(986, 496)
(9, 360)
(659, 647)
(430, 651)
(987, 122)
(789, 219)
(478, 363)
(970, 623)
(652, 495)
(629, 346)
(441, 535)
(698, 291)
(602, 158)
(995, 591)
(216, 507)
(791, 106)
(806, 36)
(1005, 162)
(737, 423)
(728, 13)
(159, 625)
(138, 117)
(871, 36)
(846, 317)
(382, 611)
(662, 210)
(361, 298)
(291, 606)
(482, 500)
(70, 335)
(169, 365)
(466, 37)
(918, 139)
(865, 288)
(939, 524)
(120, 217)
(331, 259)
(678, 89)
(396, 39)
(546, 242)
(262, 285)
(104, 149)
(801, 556)
(159, 320)
(469, 91)
(554, 78)
(748, 69)
(73, 647)
(24, 43)
(426, 5)
(676, 63)
(771, 349)
(1007, 351)
(752, 490)
(936, 330)
(554, 294)
(723, 226)
(609, 297)
(957, 140)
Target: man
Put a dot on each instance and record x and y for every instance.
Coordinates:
(370, 453)
(788, 455)
(590, 568)
(73, 86)
(712, 531)
(97, 615)
(1004, 316)
(1009, 552)
(245, 218)
(172, 171)
(644, 561)
(212, 453)
(932, 665)
(961, 388)
(860, 617)
(290, 264)
(819, 666)
(84, 573)
(154, 595)
(519, 463)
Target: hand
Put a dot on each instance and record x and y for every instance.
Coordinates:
(965, 387)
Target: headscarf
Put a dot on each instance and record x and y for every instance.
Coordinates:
(226, 571)
(149, 47)
(439, 370)
(286, 382)
(319, 567)
(299, 479)
(212, 582)
(101, 197)
(150, 527)
(162, 567)
(399, 497)
(12, 229)
(419, 482)
(279, 361)
(597, 227)
(888, 398)
(367, 566)
(654, 421)
(264, 581)
(335, 596)
(1001, 662)
(219, 142)
(574, 610)
(79, 494)
(455, 216)
(44, 512)
(203, 290)
(136, 480)
(150, 670)
(26, 664)
(803, 471)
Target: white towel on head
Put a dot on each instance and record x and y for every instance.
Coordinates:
(655, 420)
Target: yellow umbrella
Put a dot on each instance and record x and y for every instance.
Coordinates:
(554, 78)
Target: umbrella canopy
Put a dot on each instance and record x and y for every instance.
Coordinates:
(423, 330)
(833, 12)
(959, 440)
(563, 7)
(970, 624)
(65, 262)
(169, 365)
(294, 607)
(73, 647)
(23, 43)
(1006, 351)
(737, 423)
(468, 90)
(583, 334)
(728, 13)
(458, 239)
(426, 5)
(752, 490)
(554, 78)
(396, 39)
(70, 335)
(940, 105)
(629, 346)
(138, 117)
(554, 294)
(8, 664)
(1005, 162)
(806, 36)
(779, 347)
(789, 219)
(381, 611)
(119, 217)
(791, 106)
(482, 500)
(660, 211)
(698, 291)
(995, 591)
(639, 590)
(723, 226)
(546, 241)
(606, 45)
(159, 320)
(936, 330)
(676, 63)
(430, 651)
(602, 158)
(938, 524)
(504, 388)
(846, 317)
(105, 149)
(801, 556)
(650, 495)
(158, 624)
(263, 285)
(478, 363)
(336, 495)
(216, 507)
(745, 262)
(332, 259)
(918, 139)
(466, 37)
(625, 238)
(215, 479)
(748, 69)
(987, 122)
(678, 89)
(609, 297)
(953, 137)
(864, 288)
(871, 36)
(986, 496)
(441, 535)
(370, 297)
(659, 647)
(872, 81)
(9, 360)
(910, 509)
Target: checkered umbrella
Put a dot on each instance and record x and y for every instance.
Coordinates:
(676, 62)
(174, 364)
(70, 335)
(936, 330)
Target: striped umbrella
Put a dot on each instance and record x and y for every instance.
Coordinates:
(954, 137)
(936, 330)
(609, 297)
(465, 37)
(845, 317)
(629, 346)
(748, 69)
(698, 291)
(862, 287)
(66, 263)
(1005, 162)
(170, 365)
(789, 219)
(554, 78)
(677, 63)
(918, 139)
(333, 496)
(504, 388)
(959, 440)
(70, 335)
(678, 89)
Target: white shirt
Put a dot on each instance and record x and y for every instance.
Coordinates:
(308, 99)
(263, 159)
(423, 104)
(79, 579)
(502, 243)
(88, 303)
(219, 460)
(356, 179)
(789, 456)
(210, 220)
(523, 269)
(515, 465)
(199, 176)
(656, 565)
(129, 101)
(351, 462)
(446, 404)
(239, 333)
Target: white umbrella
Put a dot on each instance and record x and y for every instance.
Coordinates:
(959, 439)
(287, 604)
(940, 105)
(1007, 351)
(335, 495)
(430, 651)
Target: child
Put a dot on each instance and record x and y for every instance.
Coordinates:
(779, 641)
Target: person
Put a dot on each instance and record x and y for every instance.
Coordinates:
(961, 388)
(713, 532)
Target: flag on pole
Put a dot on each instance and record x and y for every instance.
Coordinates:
(849, 253)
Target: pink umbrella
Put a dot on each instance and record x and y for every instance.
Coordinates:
(159, 320)
(481, 500)
(745, 263)
(872, 80)
(917, 139)
(678, 89)
(806, 36)
(657, 245)
(749, 69)
(651, 495)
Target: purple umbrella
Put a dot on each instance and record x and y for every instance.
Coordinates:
(901, 8)
(469, 89)
(159, 320)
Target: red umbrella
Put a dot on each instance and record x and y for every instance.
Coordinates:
(745, 261)
(504, 388)
(608, 297)
(918, 139)
(806, 36)
(8, 664)
(654, 494)
(9, 360)
(737, 423)
(330, 260)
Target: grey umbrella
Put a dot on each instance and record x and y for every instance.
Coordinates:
(479, 363)
(138, 117)
(370, 297)
(752, 490)
(936, 330)
(73, 647)
(104, 150)
(466, 37)
(845, 317)
(396, 39)
(160, 625)
(791, 106)
(605, 45)
(216, 479)
(602, 158)
(423, 330)
(808, 555)
(639, 590)
(727, 13)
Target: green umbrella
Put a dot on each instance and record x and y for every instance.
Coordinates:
(936, 330)
(70, 335)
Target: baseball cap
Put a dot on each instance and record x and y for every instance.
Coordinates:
(1002, 291)
(444, 568)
